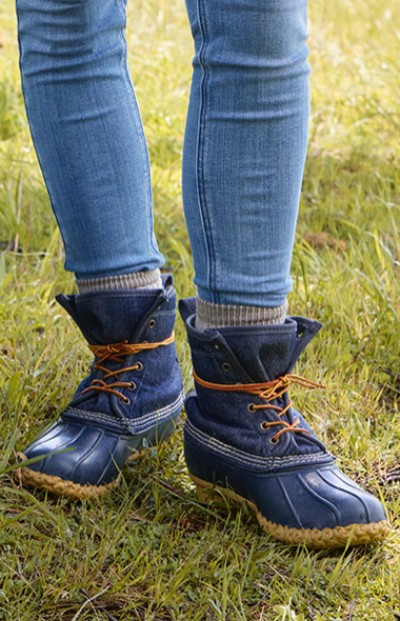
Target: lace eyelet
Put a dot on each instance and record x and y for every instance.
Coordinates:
(127, 401)
(151, 323)
(139, 366)
(264, 425)
(251, 407)
(132, 386)
(273, 440)
(226, 366)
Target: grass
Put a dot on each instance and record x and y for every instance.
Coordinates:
(150, 551)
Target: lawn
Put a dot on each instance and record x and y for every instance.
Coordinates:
(150, 550)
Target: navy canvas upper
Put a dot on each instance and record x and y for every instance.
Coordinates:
(269, 456)
(100, 429)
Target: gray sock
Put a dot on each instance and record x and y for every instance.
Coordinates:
(211, 315)
(136, 280)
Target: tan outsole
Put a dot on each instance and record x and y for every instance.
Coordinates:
(61, 487)
(338, 537)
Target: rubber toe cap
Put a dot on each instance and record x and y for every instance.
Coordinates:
(83, 454)
(320, 498)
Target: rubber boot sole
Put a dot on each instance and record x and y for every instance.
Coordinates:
(58, 486)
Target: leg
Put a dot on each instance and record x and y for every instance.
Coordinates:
(87, 131)
(90, 143)
(245, 146)
(244, 156)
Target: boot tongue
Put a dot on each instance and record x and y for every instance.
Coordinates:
(264, 352)
(111, 317)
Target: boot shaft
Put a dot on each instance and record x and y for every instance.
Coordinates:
(237, 360)
(126, 388)
(254, 353)
(116, 316)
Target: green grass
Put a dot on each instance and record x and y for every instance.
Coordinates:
(150, 551)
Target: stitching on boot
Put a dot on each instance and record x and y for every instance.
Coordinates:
(128, 426)
(237, 455)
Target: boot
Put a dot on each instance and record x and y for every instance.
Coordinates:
(131, 399)
(244, 440)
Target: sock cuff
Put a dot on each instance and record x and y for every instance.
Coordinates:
(150, 279)
(210, 315)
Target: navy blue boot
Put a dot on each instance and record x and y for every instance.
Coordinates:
(244, 440)
(131, 399)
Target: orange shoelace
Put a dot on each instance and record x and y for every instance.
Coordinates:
(269, 391)
(116, 352)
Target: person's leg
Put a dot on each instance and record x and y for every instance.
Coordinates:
(244, 156)
(245, 147)
(89, 139)
(88, 134)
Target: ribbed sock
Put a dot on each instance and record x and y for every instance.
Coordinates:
(136, 280)
(210, 315)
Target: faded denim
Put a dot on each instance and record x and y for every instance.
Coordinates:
(244, 148)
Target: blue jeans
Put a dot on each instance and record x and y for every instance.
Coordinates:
(244, 151)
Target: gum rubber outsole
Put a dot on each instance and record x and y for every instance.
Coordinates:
(59, 486)
(63, 487)
(338, 537)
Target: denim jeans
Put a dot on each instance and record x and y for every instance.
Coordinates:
(244, 150)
